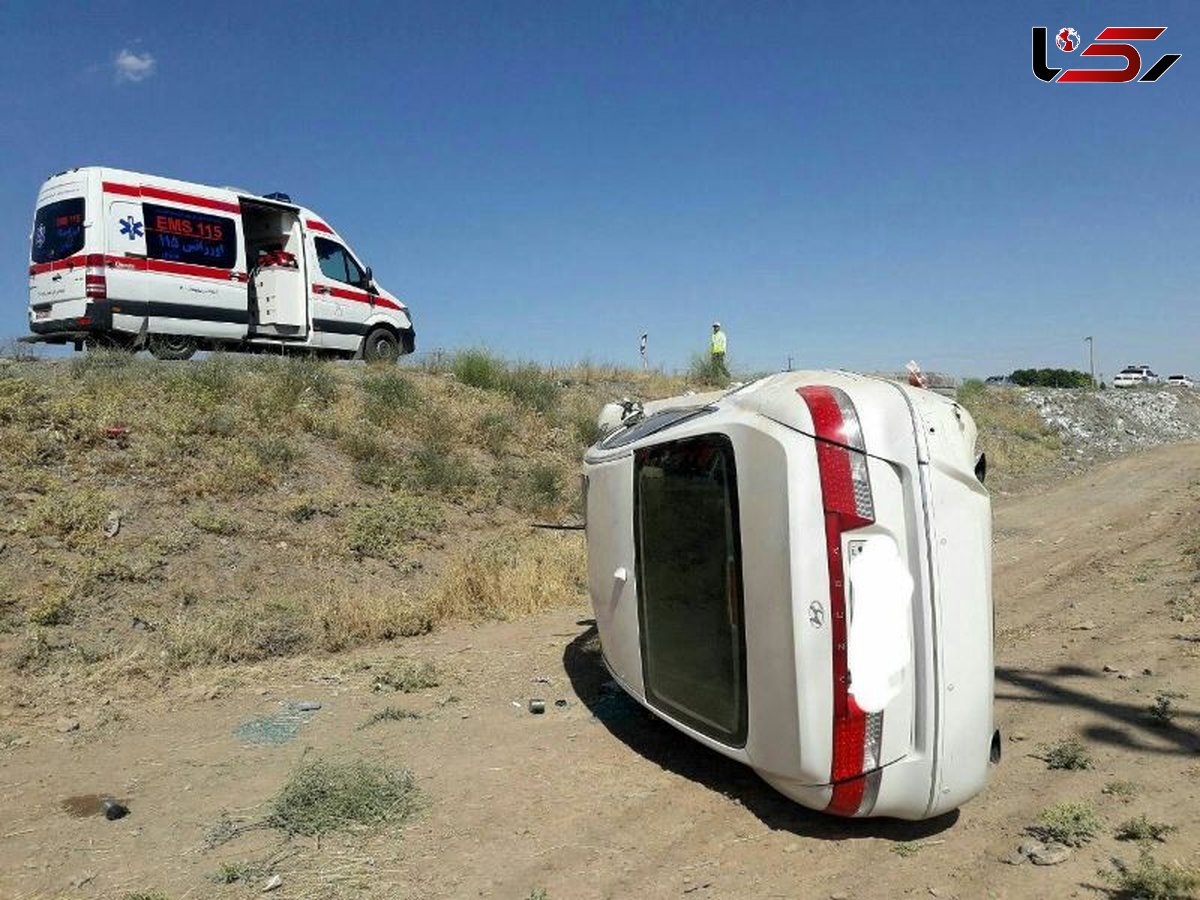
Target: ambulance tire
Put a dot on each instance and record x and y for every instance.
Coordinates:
(172, 346)
(381, 345)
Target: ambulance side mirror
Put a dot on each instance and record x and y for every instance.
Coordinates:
(369, 281)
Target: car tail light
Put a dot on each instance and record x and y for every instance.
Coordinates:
(848, 504)
(94, 281)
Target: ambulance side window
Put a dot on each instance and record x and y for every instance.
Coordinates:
(188, 236)
(336, 263)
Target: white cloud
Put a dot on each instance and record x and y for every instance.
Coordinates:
(131, 66)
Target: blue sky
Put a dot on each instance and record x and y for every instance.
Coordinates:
(849, 184)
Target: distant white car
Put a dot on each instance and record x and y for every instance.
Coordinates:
(1134, 376)
(1180, 381)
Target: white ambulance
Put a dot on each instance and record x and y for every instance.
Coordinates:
(797, 574)
(129, 260)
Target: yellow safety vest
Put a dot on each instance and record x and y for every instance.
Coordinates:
(718, 342)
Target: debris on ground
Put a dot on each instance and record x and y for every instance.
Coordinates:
(536, 706)
(114, 810)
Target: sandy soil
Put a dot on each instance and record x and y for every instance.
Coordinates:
(598, 799)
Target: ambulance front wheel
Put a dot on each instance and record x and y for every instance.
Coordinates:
(381, 345)
(172, 346)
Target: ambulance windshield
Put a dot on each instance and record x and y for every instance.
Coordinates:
(58, 230)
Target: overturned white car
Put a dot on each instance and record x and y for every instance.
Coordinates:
(797, 574)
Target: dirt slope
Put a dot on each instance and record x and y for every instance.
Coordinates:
(597, 799)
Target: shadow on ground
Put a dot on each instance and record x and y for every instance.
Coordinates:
(1126, 725)
(658, 742)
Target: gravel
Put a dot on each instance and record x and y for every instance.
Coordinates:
(1092, 423)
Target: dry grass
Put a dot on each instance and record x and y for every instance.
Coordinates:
(1011, 432)
(323, 796)
(512, 576)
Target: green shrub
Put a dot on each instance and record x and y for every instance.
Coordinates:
(285, 384)
(233, 872)
(587, 429)
(1163, 709)
(387, 395)
(1143, 829)
(970, 391)
(364, 445)
(1125, 790)
(72, 514)
(706, 371)
(215, 522)
(53, 609)
(407, 676)
(1152, 880)
(497, 429)
(389, 714)
(1067, 754)
(542, 488)
(532, 387)
(323, 796)
(385, 530)
(432, 466)
(206, 383)
(276, 452)
(479, 368)
(527, 383)
(1058, 378)
(1073, 824)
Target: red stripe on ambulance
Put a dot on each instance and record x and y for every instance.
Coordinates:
(153, 193)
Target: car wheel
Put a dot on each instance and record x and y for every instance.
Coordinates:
(381, 345)
(172, 346)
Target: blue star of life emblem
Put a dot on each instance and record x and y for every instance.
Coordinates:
(131, 227)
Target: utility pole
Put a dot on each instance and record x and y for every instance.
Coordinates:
(1091, 359)
(642, 350)
(789, 364)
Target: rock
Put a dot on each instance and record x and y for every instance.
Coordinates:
(1050, 855)
(1111, 669)
(1017, 736)
(306, 706)
(1016, 858)
(66, 726)
(114, 810)
(1087, 625)
(1028, 848)
(536, 706)
(112, 524)
(1147, 671)
(273, 883)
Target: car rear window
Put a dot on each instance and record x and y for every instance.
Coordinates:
(58, 230)
(182, 235)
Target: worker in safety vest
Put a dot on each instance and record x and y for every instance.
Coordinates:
(717, 346)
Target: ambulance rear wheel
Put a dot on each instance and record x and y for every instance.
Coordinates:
(381, 345)
(172, 346)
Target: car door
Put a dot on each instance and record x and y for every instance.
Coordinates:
(341, 304)
(195, 260)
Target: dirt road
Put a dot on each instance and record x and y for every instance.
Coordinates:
(598, 799)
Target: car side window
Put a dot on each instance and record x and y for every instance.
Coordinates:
(336, 263)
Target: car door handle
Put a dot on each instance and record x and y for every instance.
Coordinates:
(319, 289)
